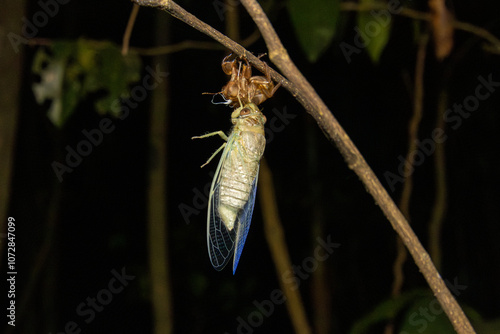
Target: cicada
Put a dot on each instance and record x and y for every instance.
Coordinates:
(232, 194)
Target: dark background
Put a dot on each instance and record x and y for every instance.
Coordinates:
(101, 218)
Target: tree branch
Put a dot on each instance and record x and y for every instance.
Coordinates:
(305, 94)
(180, 13)
(493, 47)
(355, 161)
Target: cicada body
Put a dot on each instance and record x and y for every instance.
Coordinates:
(232, 194)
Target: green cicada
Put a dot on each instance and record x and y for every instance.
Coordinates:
(232, 194)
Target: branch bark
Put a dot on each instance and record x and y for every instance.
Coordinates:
(305, 94)
(355, 161)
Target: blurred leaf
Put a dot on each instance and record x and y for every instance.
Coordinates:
(485, 327)
(75, 69)
(315, 23)
(426, 315)
(422, 314)
(374, 27)
(386, 310)
(198, 284)
(115, 76)
(51, 83)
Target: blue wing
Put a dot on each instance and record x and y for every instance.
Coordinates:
(220, 240)
(243, 224)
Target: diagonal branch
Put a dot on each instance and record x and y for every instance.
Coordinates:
(180, 13)
(305, 94)
(355, 161)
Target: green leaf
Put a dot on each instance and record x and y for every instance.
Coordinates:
(315, 22)
(50, 87)
(374, 27)
(418, 311)
(75, 69)
(386, 310)
(426, 315)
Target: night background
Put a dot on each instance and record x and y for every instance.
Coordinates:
(87, 234)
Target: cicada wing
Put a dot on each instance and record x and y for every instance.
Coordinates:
(243, 223)
(220, 239)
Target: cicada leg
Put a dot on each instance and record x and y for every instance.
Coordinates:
(220, 134)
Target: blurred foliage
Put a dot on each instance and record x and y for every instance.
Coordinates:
(315, 23)
(387, 310)
(72, 70)
(107, 192)
(417, 311)
(374, 28)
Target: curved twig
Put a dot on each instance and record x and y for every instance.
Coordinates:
(305, 94)
(128, 29)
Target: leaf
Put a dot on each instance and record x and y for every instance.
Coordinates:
(386, 310)
(114, 76)
(315, 23)
(426, 315)
(374, 27)
(76, 69)
(50, 86)
(418, 311)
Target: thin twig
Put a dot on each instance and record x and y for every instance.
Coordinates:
(181, 46)
(232, 20)
(413, 126)
(417, 15)
(440, 199)
(128, 29)
(404, 203)
(276, 240)
(305, 94)
(483, 33)
(187, 44)
(442, 28)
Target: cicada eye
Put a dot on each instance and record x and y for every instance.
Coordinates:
(245, 111)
